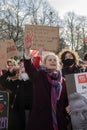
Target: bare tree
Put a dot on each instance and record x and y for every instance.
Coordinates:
(75, 30)
(16, 13)
(12, 17)
(70, 20)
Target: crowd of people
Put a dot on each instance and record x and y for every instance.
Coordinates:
(38, 97)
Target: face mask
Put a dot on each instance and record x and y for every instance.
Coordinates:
(24, 76)
(68, 62)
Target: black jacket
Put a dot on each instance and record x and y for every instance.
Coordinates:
(20, 99)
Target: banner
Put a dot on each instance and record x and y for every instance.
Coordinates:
(4, 109)
(77, 95)
(46, 37)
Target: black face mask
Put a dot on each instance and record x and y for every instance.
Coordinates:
(68, 62)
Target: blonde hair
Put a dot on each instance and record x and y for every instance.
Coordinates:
(14, 62)
(44, 59)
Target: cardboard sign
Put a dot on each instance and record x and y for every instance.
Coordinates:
(11, 48)
(46, 37)
(77, 95)
(3, 55)
(4, 101)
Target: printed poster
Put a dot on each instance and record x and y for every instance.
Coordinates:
(77, 95)
(81, 83)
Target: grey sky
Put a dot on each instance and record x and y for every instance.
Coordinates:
(63, 6)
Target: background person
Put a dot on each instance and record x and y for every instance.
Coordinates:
(78, 106)
(20, 89)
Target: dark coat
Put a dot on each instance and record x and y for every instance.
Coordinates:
(20, 94)
(65, 71)
(41, 115)
(63, 117)
(68, 70)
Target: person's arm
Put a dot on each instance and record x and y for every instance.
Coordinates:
(29, 67)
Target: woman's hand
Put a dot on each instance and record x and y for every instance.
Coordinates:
(28, 41)
(68, 110)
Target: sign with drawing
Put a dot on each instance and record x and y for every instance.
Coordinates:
(77, 95)
(81, 83)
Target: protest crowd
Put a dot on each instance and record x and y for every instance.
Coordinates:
(36, 84)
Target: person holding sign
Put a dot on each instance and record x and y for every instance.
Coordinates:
(48, 109)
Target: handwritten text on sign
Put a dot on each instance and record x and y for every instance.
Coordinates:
(44, 37)
(11, 48)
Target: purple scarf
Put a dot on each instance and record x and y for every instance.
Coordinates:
(54, 79)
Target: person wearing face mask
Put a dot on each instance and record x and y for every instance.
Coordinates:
(20, 95)
(70, 62)
(25, 95)
(22, 74)
(70, 65)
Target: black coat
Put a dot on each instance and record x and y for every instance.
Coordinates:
(21, 94)
(71, 70)
(41, 115)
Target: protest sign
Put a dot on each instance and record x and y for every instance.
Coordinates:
(77, 95)
(35, 53)
(4, 108)
(77, 83)
(3, 55)
(41, 54)
(46, 37)
(11, 48)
